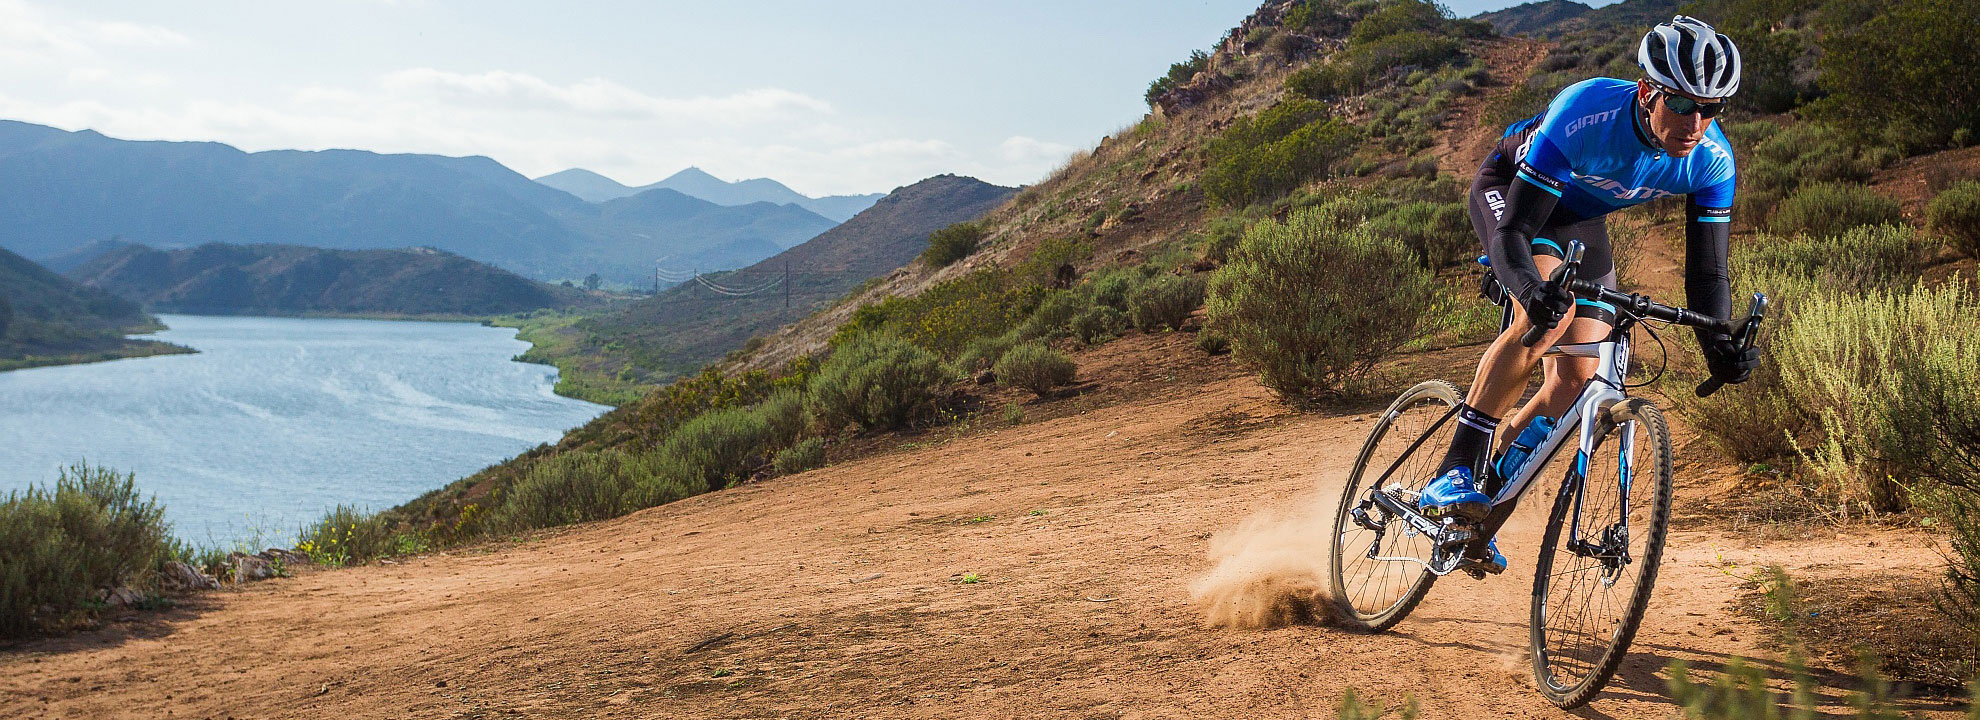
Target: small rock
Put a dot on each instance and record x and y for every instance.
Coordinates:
(286, 557)
(121, 597)
(248, 568)
(182, 577)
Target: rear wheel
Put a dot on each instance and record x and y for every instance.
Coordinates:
(1598, 562)
(1380, 569)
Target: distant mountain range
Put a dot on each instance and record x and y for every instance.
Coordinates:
(66, 190)
(47, 319)
(225, 279)
(1554, 18)
(593, 187)
(688, 325)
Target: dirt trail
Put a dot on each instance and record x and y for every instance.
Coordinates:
(839, 593)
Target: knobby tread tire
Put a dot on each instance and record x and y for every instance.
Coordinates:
(1658, 433)
(1433, 390)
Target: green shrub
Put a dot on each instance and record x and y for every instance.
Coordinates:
(1901, 71)
(1884, 256)
(782, 414)
(1179, 73)
(1165, 301)
(984, 352)
(952, 243)
(948, 315)
(1438, 233)
(657, 479)
(59, 546)
(1268, 155)
(875, 381)
(1955, 213)
(720, 447)
(1291, 311)
(1098, 324)
(1219, 237)
(346, 535)
(1035, 367)
(1831, 208)
(805, 455)
(1857, 360)
(1053, 317)
(1112, 287)
(562, 489)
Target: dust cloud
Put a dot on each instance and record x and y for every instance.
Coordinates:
(1270, 571)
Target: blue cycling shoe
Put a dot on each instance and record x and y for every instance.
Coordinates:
(1494, 562)
(1453, 495)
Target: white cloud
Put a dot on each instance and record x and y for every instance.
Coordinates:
(596, 96)
(123, 33)
(31, 34)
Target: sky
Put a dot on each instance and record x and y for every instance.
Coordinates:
(828, 98)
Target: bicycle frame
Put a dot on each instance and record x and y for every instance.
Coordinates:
(1604, 389)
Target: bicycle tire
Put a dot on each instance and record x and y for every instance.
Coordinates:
(1415, 456)
(1572, 660)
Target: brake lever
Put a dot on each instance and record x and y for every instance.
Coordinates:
(1749, 330)
(1563, 276)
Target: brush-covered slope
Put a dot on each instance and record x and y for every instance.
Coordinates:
(287, 279)
(691, 324)
(47, 319)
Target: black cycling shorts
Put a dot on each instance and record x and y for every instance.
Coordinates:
(1487, 201)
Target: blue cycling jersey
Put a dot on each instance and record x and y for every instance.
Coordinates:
(1589, 150)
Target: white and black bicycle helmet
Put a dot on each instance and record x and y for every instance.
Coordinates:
(1689, 56)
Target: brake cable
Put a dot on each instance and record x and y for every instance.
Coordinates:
(1664, 353)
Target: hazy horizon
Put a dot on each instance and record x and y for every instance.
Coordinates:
(824, 99)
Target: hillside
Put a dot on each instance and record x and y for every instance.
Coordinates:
(70, 189)
(1534, 17)
(1555, 18)
(593, 187)
(1141, 539)
(47, 319)
(609, 357)
(220, 279)
(841, 593)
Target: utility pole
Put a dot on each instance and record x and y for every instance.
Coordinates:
(787, 284)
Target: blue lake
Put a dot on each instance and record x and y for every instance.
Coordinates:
(276, 420)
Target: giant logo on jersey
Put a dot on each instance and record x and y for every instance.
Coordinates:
(1587, 120)
(1621, 191)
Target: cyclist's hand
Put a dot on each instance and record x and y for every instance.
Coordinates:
(1546, 303)
(1729, 362)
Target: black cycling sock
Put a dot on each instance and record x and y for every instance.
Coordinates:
(1474, 436)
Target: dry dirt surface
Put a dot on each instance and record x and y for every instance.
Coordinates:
(1038, 570)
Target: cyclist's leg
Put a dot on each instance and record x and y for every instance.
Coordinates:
(1565, 376)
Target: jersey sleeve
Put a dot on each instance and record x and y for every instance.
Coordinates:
(1717, 197)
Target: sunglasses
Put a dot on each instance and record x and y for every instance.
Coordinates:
(1685, 106)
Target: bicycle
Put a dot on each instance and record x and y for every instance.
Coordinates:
(1608, 537)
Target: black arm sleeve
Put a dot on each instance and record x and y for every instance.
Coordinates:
(1511, 249)
(1707, 286)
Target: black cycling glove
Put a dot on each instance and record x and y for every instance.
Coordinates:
(1546, 303)
(1730, 363)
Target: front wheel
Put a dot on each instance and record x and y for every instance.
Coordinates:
(1381, 565)
(1599, 559)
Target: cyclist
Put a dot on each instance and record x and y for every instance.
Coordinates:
(1602, 145)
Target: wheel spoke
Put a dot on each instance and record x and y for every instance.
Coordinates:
(1592, 601)
(1411, 438)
